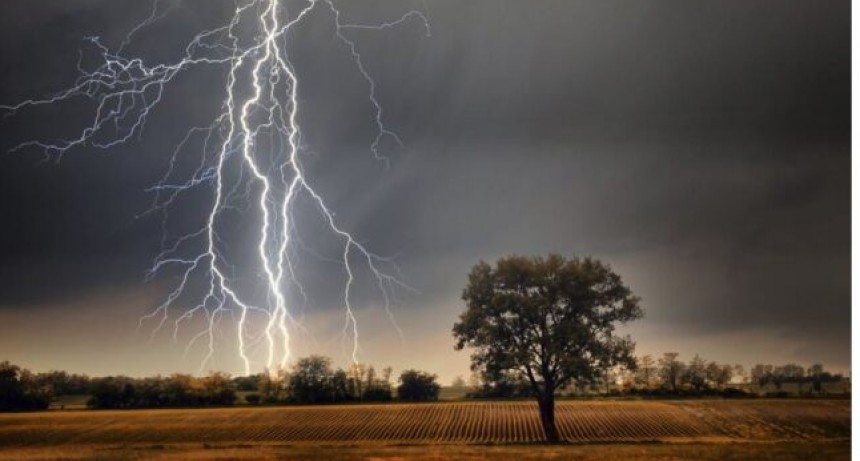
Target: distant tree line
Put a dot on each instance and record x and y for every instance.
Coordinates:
(810, 380)
(312, 380)
(670, 376)
(177, 390)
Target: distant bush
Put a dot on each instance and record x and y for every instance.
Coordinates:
(417, 386)
(253, 399)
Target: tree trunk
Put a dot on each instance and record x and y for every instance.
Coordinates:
(546, 404)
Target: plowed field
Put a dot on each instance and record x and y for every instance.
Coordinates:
(441, 423)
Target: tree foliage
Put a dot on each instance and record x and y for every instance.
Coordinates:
(177, 390)
(646, 371)
(19, 390)
(416, 386)
(312, 380)
(671, 370)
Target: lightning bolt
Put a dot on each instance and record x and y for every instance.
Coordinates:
(250, 155)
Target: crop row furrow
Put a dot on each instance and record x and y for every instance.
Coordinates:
(469, 422)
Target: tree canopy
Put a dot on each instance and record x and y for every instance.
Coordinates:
(417, 386)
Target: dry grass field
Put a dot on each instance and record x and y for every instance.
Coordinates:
(630, 430)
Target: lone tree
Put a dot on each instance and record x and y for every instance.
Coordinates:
(549, 319)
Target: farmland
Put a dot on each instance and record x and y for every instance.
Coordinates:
(488, 427)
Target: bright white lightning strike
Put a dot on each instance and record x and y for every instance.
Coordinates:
(251, 151)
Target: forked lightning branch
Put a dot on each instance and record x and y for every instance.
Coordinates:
(252, 154)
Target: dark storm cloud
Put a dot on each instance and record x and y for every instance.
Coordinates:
(702, 148)
(714, 136)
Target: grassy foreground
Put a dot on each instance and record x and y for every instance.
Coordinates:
(783, 451)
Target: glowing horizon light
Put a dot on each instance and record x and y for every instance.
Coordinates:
(260, 108)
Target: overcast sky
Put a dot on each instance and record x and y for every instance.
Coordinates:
(701, 148)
